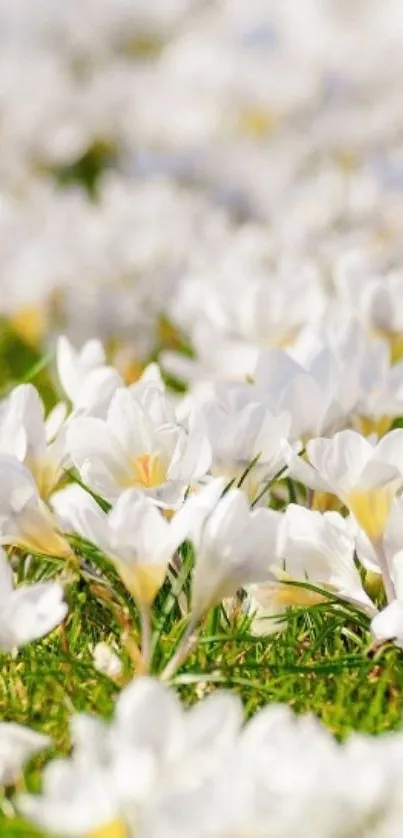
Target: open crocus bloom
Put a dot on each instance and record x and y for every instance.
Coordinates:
(241, 437)
(365, 475)
(136, 447)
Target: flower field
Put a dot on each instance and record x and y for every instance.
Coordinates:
(201, 419)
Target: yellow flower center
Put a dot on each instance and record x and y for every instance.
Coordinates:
(30, 324)
(147, 471)
(114, 829)
(379, 426)
(395, 341)
(257, 122)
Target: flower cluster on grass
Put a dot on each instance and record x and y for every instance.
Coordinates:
(201, 407)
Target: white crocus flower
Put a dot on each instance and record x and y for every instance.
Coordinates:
(119, 776)
(234, 545)
(73, 366)
(159, 769)
(314, 548)
(29, 612)
(39, 444)
(25, 520)
(17, 745)
(392, 540)
(131, 448)
(85, 378)
(365, 475)
(134, 535)
(239, 437)
(320, 396)
(388, 624)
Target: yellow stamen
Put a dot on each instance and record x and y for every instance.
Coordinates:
(379, 426)
(147, 471)
(257, 122)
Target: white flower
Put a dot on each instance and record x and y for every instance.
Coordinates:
(17, 745)
(365, 475)
(234, 545)
(136, 447)
(87, 381)
(316, 549)
(388, 623)
(164, 771)
(39, 444)
(74, 366)
(320, 397)
(134, 535)
(28, 612)
(238, 437)
(119, 776)
(25, 520)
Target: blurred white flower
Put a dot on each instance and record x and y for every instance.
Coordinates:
(17, 745)
(319, 397)
(161, 770)
(119, 776)
(88, 383)
(28, 612)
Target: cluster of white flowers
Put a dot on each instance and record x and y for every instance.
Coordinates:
(160, 771)
(218, 185)
(246, 154)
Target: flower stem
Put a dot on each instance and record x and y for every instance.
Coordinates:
(384, 565)
(183, 650)
(146, 635)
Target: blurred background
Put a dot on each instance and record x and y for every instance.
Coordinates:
(195, 179)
